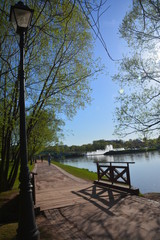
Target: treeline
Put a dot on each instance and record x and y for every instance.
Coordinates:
(59, 151)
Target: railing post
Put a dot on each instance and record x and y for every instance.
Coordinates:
(33, 186)
(111, 173)
(98, 171)
(128, 176)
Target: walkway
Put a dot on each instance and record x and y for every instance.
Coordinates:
(75, 209)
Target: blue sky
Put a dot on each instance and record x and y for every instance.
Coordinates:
(95, 122)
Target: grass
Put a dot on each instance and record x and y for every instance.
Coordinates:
(8, 214)
(8, 231)
(77, 172)
(16, 184)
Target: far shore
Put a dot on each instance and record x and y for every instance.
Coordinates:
(129, 151)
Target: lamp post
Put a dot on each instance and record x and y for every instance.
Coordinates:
(21, 16)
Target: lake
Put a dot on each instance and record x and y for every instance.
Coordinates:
(144, 174)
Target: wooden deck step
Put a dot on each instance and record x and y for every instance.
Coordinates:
(120, 187)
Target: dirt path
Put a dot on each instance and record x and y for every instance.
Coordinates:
(77, 209)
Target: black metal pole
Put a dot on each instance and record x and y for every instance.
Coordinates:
(27, 229)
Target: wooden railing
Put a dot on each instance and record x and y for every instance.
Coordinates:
(114, 172)
(33, 186)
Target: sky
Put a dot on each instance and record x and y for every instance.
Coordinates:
(95, 122)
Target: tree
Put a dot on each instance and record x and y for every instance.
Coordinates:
(58, 69)
(138, 76)
(44, 132)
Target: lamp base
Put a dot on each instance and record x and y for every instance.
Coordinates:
(27, 228)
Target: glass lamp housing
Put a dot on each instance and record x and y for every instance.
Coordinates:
(20, 16)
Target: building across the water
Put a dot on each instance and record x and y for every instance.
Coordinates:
(108, 148)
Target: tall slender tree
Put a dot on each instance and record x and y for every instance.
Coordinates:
(138, 102)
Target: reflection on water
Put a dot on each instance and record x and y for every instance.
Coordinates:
(144, 173)
(101, 158)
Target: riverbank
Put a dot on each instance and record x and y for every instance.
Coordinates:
(128, 151)
(88, 175)
(152, 196)
(77, 172)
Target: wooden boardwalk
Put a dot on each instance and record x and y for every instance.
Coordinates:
(56, 188)
(80, 210)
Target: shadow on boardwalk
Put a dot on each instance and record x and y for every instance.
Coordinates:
(104, 199)
(76, 209)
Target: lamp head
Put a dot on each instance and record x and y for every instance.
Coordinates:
(21, 16)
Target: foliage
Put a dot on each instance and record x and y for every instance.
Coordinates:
(139, 75)
(58, 69)
(43, 133)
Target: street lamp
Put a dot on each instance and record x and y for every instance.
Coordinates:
(21, 16)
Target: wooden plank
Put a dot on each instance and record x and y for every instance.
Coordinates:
(120, 187)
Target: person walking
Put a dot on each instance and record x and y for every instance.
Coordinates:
(49, 159)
